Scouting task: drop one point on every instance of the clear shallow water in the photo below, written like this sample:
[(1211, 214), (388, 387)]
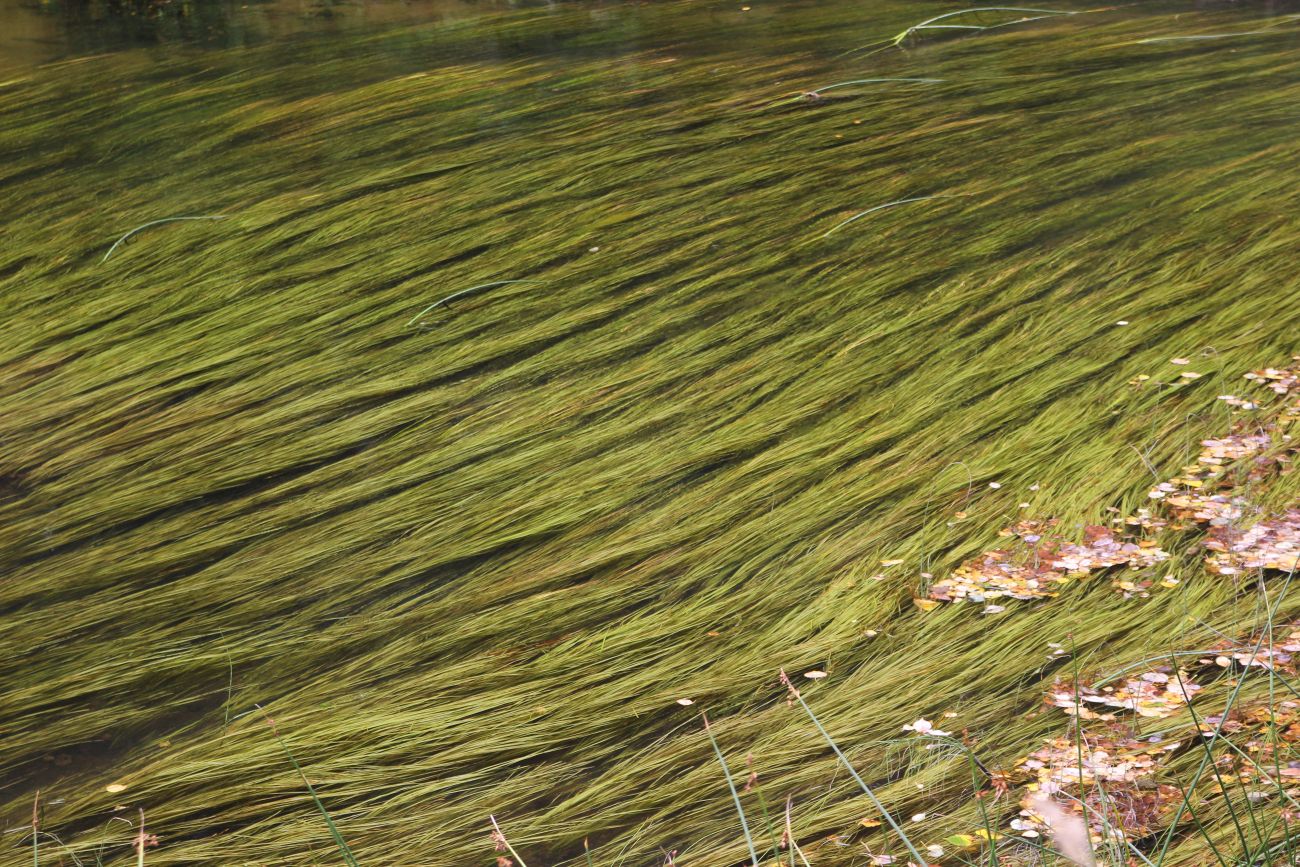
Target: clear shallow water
[(469, 562)]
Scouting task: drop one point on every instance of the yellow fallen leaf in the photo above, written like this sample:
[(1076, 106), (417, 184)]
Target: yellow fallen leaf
[(115, 788), (870, 823), (963, 841), (891, 562), (925, 604)]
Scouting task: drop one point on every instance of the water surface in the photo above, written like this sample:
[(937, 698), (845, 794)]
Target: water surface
[(469, 559)]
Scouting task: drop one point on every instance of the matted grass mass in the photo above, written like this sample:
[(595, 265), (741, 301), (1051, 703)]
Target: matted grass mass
[(471, 561)]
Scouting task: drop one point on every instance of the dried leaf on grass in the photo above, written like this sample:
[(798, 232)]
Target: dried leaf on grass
[(1115, 781), (1272, 543), (1154, 694), (1205, 494), (1044, 562), (1282, 380), (1268, 739), (1278, 653)]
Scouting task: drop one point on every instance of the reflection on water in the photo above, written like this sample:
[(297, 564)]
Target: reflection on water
[(39, 31)]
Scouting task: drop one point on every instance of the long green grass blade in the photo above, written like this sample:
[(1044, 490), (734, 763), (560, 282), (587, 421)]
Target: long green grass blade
[(348, 857), (731, 787), (848, 766)]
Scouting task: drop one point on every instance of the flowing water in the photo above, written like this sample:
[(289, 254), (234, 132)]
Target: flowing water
[(470, 556)]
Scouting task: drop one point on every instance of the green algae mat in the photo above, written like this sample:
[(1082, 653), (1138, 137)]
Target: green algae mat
[(534, 380)]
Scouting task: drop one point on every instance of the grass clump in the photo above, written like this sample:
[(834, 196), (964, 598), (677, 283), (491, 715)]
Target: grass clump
[(472, 569)]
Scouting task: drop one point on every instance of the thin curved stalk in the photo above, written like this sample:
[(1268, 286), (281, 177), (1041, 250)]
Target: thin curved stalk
[(140, 840), (893, 204), (1196, 37), (119, 241), (902, 835), (744, 825), (822, 90), (463, 292), (789, 836), (502, 837), (1186, 805), (344, 850), (929, 23)]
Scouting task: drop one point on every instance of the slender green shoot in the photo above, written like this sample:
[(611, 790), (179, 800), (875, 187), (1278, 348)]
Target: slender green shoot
[(789, 836), (1185, 804), (892, 204), (931, 23), (762, 805), (140, 842), (348, 857), (744, 825), (898, 829), (36, 829), (819, 91), (1193, 38), (463, 293), (500, 836), (230, 682), (119, 241)]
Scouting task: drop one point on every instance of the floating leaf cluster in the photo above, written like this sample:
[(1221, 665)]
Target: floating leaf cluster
[(1283, 381), (1044, 562), (1154, 694), (1276, 656), (1207, 494), (1109, 774), (1271, 749), (1273, 543)]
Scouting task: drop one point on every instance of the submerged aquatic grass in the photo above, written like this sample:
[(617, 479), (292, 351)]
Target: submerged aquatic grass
[(463, 293), (472, 569), (153, 223), (886, 205)]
